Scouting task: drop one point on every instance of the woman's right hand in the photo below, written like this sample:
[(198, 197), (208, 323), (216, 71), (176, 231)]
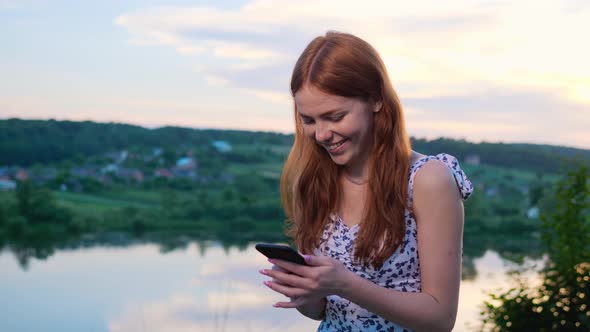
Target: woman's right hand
[(310, 307), (280, 269)]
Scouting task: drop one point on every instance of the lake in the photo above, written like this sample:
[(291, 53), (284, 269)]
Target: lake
[(145, 286)]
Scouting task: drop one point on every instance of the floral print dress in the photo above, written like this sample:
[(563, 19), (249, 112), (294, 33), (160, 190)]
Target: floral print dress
[(400, 272)]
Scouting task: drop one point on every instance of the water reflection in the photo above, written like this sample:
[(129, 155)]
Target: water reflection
[(169, 282), (42, 243)]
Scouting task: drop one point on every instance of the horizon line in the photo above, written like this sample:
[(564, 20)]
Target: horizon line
[(428, 139)]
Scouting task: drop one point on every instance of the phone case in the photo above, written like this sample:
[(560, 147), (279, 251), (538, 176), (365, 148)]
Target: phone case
[(278, 251)]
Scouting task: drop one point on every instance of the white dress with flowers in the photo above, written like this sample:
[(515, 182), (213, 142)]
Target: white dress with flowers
[(400, 272)]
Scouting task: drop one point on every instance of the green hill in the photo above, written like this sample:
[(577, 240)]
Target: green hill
[(26, 142)]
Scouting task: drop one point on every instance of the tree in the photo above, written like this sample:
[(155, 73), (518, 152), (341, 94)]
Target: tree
[(24, 193), (38, 205), (3, 214), (566, 230), (562, 302)]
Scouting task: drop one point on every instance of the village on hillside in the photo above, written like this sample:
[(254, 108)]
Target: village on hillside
[(116, 169)]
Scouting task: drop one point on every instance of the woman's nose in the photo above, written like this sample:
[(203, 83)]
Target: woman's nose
[(322, 133)]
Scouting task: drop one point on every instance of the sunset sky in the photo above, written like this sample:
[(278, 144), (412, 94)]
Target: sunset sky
[(509, 71)]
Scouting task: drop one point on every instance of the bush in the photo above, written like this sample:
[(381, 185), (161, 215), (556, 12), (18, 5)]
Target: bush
[(562, 302)]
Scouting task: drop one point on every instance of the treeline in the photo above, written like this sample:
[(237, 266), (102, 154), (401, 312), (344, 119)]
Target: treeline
[(529, 157), (27, 142)]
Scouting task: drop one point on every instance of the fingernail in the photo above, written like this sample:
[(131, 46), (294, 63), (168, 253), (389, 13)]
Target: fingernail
[(267, 283), (263, 272), (307, 258), (275, 305), (271, 260)]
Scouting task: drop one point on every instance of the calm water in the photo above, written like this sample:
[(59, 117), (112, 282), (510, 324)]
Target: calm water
[(149, 288)]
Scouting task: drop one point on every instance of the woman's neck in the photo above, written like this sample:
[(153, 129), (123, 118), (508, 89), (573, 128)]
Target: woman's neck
[(358, 175), (359, 180)]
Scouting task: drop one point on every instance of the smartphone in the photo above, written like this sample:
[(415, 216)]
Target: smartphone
[(279, 251)]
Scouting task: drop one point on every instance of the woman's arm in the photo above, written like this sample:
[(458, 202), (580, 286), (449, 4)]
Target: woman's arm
[(439, 214), (438, 208)]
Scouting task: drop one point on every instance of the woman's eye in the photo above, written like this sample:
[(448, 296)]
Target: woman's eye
[(306, 120), (336, 118)]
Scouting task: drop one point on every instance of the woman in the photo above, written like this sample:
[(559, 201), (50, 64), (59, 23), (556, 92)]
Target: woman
[(384, 223)]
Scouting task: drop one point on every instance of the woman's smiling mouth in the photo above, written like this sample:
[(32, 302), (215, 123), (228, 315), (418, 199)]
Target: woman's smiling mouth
[(334, 148)]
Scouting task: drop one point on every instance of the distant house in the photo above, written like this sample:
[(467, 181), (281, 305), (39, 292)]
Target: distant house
[(163, 173), (5, 172), (122, 156), (222, 146), (156, 152), (117, 157), (7, 185), (84, 172), (186, 163), (22, 175), (184, 173), (130, 174), (9, 172), (110, 168), (472, 159), (533, 213)]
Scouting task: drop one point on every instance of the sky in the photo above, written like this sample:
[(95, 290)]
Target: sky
[(494, 71)]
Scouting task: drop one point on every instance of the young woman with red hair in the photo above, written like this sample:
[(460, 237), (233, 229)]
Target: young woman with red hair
[(381, 226)]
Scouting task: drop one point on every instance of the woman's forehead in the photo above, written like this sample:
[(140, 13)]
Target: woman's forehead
[(311, 101)]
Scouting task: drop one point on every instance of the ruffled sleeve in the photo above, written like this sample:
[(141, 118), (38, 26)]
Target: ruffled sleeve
[(465, 186)]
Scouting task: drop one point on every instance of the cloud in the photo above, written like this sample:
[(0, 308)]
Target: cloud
[(20, 4), (518, 115), (227, 296), (496, 41), (518, 104), (487, 65), (223, 34)]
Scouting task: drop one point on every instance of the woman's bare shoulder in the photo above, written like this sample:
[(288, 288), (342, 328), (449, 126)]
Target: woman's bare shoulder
[(416, 156), (435, 179)]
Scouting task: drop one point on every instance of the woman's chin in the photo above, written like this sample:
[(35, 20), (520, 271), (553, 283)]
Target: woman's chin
[(340, 160)]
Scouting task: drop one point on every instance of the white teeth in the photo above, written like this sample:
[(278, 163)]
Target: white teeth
[(334, 146)]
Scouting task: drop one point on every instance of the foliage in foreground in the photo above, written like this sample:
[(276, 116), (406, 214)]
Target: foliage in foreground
[(562, 301)]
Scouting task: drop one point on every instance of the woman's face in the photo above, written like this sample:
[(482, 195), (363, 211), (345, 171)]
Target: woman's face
[(343, 126)]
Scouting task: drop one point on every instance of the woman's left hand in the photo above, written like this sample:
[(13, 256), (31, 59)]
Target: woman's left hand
[(324, 276)]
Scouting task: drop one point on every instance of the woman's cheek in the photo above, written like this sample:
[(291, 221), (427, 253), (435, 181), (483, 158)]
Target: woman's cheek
[(308, 131)]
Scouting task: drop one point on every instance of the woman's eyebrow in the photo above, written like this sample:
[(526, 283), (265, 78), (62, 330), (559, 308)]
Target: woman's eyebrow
[(325, 114)]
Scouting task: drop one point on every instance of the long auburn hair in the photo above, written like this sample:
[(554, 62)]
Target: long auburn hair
[(345, 65)]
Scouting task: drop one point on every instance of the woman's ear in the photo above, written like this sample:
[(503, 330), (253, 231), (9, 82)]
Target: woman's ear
[(377, 107)]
